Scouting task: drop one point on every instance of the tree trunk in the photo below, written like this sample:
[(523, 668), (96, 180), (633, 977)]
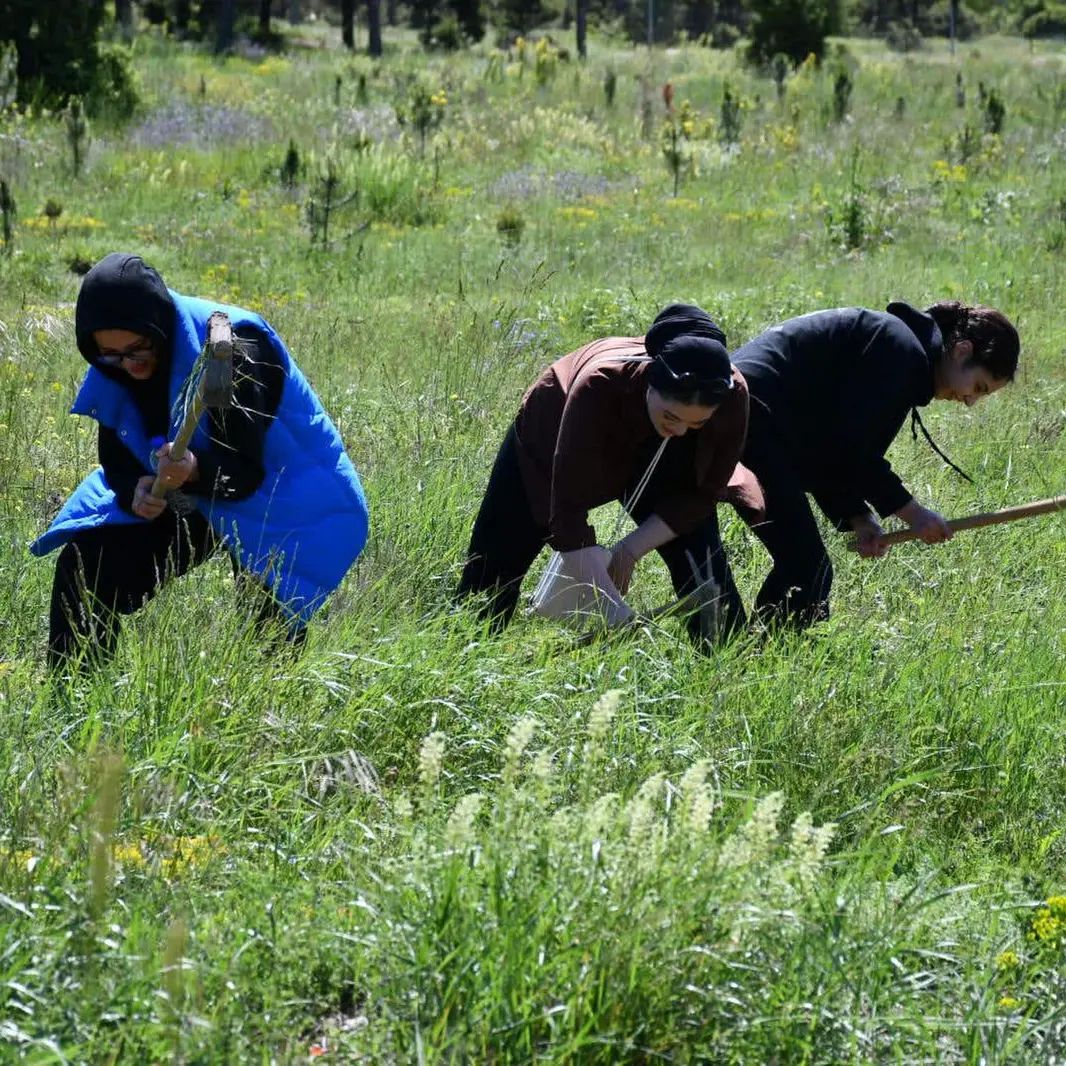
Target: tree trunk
[(181, 17), (391, 13), (348, 23), (953, 18), (227, 12), (264, 18), (373, 23), (124, 17), (582, 27), (295, 14)]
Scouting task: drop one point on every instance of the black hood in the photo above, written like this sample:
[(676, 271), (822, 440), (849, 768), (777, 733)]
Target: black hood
[(123, 292), (924, 327)]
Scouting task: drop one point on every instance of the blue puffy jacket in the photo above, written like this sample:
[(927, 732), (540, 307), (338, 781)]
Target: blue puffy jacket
[(307, 522)]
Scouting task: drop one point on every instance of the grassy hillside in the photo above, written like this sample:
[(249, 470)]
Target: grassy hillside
[(419, 842)]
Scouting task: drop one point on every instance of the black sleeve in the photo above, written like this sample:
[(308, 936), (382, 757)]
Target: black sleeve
[(873, 406), (121, 468), (232, 468)]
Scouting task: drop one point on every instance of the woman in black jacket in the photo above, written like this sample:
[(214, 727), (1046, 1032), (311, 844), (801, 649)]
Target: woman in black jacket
[(829, 392)]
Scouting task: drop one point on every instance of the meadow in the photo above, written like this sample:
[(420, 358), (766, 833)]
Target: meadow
[(420, 842)]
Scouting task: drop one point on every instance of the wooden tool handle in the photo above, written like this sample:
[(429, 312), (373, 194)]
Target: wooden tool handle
[(977, 521), (219, 344), (179, 445)]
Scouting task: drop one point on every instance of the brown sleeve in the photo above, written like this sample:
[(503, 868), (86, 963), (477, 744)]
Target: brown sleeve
[(718, 452), (581, 450)]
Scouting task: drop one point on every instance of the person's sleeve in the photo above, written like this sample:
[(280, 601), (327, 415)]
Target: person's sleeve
[(232, 468), (685, 509), (745, 493), (578, 464), (122, 471), (872, 408)]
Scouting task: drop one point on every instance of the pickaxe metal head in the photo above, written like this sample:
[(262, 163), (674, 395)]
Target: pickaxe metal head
[(218, 370)]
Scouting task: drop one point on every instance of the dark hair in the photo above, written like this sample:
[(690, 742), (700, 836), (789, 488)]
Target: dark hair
[(690, 363), (993, 336)]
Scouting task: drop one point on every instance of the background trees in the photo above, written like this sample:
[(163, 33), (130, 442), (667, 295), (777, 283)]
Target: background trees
[(60, 53)]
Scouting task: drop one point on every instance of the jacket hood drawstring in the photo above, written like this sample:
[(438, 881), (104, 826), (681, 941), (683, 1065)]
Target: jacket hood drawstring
[(916, 424)]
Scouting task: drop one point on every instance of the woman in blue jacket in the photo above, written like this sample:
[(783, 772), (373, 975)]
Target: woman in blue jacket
[(829, 392), (267, 479)]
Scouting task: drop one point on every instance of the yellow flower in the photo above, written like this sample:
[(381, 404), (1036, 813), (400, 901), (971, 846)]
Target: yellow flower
[(1009, 1003), (944, 171), (26, 859), (1049, 923), (128, 855), (578, 213), (1007, 960)]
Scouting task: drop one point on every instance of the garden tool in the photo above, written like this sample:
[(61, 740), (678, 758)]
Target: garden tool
[(210, 385), (977, 521), (703, 598)]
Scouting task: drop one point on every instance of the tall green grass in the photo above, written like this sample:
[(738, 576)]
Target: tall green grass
[(419, 841)]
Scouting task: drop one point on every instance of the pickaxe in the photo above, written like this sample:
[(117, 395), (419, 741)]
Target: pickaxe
[(977, 521), (214, 389)]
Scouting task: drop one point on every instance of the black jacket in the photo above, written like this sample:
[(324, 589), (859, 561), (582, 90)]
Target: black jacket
[(833, 388), (123, 292)]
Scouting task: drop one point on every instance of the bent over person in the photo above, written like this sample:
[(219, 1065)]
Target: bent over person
[(587, 432), (267, 478), (829, 392)]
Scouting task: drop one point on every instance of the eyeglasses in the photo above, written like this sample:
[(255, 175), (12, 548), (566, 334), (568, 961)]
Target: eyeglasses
[(689, 379), (140, 352)]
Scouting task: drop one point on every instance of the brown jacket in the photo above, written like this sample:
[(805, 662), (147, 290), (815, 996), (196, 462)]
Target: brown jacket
[(584, 437)]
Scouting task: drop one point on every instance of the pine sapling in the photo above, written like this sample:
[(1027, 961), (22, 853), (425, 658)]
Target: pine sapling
[(77, 133), (7, 214)]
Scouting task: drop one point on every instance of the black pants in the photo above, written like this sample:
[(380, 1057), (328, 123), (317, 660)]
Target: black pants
[(110, 571), (796, 591), (507, 539)]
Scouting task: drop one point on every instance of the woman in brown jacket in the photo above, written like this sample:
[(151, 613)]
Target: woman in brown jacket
[(586, 433)]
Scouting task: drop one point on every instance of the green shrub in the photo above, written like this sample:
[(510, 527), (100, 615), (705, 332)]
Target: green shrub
[(903, 36), (798, 28), (114, 93), (1050, 21)]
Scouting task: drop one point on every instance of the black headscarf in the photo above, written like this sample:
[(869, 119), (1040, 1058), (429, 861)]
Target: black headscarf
[(123, 292), (689, 351)]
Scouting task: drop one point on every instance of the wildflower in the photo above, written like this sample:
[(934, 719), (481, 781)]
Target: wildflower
[(808, 846), (517, 742), (128, 855), (1009, 1003), (698, 796), (752, 842), (642, 819), (948, 173), (1007, 960), (459, 832), (430, 760), (26, 859), (541, 770), (1048, 926), (602, 715)]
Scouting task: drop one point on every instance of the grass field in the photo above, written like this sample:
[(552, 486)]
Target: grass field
[(417, 842)]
